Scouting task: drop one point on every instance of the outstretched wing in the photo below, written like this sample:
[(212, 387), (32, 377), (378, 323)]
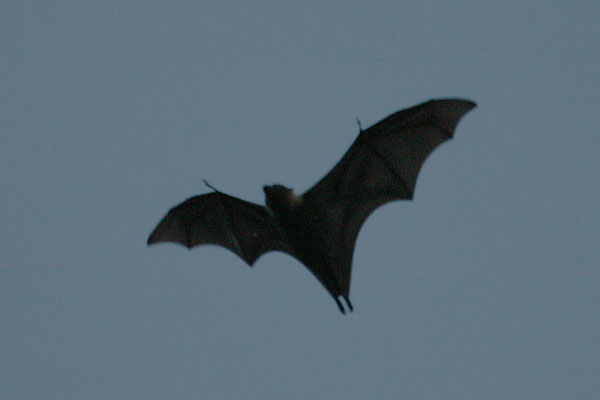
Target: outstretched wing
[(245, 228), (382, 165)]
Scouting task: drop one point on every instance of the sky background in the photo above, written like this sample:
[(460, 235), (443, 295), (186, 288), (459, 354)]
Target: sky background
[(486, 286)]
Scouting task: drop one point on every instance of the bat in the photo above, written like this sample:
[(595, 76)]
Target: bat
[(319, 228)]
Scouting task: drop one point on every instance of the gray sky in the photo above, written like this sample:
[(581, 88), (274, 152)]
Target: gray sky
[(485, 287)]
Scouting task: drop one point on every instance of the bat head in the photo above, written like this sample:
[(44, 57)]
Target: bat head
[(280, 199)]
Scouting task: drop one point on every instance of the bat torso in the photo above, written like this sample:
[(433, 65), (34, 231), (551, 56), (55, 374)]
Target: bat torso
[(304, 228)]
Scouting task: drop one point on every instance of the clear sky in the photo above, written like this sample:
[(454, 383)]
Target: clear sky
[(486, 286)]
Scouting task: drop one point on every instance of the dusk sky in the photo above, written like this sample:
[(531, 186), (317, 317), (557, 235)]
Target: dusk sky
[(486, 286)]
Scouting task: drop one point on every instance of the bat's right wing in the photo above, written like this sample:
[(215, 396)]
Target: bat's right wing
[(382, 165), (245, 228)]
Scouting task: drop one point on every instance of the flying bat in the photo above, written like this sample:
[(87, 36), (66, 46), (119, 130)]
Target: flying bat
[(319, 228)]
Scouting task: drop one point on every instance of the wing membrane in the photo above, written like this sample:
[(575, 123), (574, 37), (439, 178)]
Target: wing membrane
[(382, 165), (245, 228)]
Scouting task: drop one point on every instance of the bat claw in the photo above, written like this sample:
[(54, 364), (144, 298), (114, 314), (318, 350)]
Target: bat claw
[(209, 185)]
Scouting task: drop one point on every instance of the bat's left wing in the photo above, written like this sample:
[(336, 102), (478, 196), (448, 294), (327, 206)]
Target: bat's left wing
[(382, 165), (245, 228)]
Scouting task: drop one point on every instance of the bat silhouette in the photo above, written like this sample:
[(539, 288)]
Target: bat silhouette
[(319, 228)]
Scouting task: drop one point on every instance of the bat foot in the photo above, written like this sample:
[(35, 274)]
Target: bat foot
[(348, 302), (340, 306)]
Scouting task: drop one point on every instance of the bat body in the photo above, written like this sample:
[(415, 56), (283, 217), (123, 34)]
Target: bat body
[(320, 227)]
